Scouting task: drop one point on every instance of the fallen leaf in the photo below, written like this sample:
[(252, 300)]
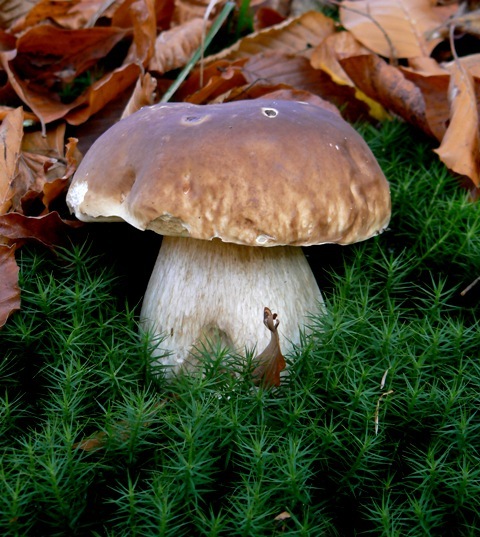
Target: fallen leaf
[(47, 55), (102, 92), (53, 189), (284, 515), (297, 36), (218, 78), (389, 86), (11, 132), (174, 47), (43, 170), (143, 95), (12, 10), (9, 289), (41, 64), (433, 84), (270, 362), (93, 443), (27, 116), (393, 28), (265, 17), (460, 147), (143, 21), (186, 10), (71, 15), (50, 230), (326, 57)]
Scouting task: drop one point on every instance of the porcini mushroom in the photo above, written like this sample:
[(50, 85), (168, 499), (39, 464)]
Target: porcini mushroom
[(235, 189)]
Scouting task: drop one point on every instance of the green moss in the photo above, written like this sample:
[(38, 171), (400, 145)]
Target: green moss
[(214, 456)]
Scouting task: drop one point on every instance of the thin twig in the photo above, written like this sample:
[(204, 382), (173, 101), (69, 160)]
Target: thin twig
[(465, 291)]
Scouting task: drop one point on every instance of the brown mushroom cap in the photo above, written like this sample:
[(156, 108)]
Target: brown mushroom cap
[(258, 173)]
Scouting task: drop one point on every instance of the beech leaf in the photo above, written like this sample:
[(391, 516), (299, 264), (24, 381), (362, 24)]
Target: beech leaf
[(388, 86), (174, 48), (9, 289), (50, 230), (143, 95), (11, 132), (393, 28), (460, 147), (294, 36), (270, 362)]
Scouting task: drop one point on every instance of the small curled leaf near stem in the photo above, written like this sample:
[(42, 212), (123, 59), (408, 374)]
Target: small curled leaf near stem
[(270, 362)]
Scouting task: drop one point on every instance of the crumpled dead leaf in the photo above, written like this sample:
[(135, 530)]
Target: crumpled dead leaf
[(11, 133), (460, 147), (326, 57), (49, 230), (9, 289), (12, 10), (270, 362), (295, 36), (387, 85), (398, 29), (143, 95), (174, 48)]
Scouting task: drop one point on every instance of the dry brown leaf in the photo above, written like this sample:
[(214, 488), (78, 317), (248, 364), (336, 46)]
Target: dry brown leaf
[(50, 230), (143, 21), (296, 36), (279, 68), (270, 362), (53, 189), (272, 68), (388, 85), (218, 78), (174, 48), (393, 28), (72, 15), (460, 147), (326, 57), (47, 55), (470, 62), (143, 95), (11, 132), (186, 10), (41, 63), (433, 84), (104, 91), (9, 289), (50, 144), (265, 17), (5, 110), (43, 170), (468, 23), (93, 443), (12, 10)]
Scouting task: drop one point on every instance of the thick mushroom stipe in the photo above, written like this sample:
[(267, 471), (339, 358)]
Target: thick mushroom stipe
[(205, 293), (241, 184)]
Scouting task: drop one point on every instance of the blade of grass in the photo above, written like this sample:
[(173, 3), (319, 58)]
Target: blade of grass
[(227, 8)]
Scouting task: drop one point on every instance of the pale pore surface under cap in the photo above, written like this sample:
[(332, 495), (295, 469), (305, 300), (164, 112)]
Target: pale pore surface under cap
[(258, 173)]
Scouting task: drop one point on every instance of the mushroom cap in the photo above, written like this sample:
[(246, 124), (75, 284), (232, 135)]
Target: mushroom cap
[(255, 172)]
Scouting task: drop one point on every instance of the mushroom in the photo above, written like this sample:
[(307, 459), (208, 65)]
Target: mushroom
[(235, 189)]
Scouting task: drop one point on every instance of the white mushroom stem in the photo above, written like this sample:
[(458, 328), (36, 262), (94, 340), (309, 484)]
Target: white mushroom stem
[(211, 291)]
